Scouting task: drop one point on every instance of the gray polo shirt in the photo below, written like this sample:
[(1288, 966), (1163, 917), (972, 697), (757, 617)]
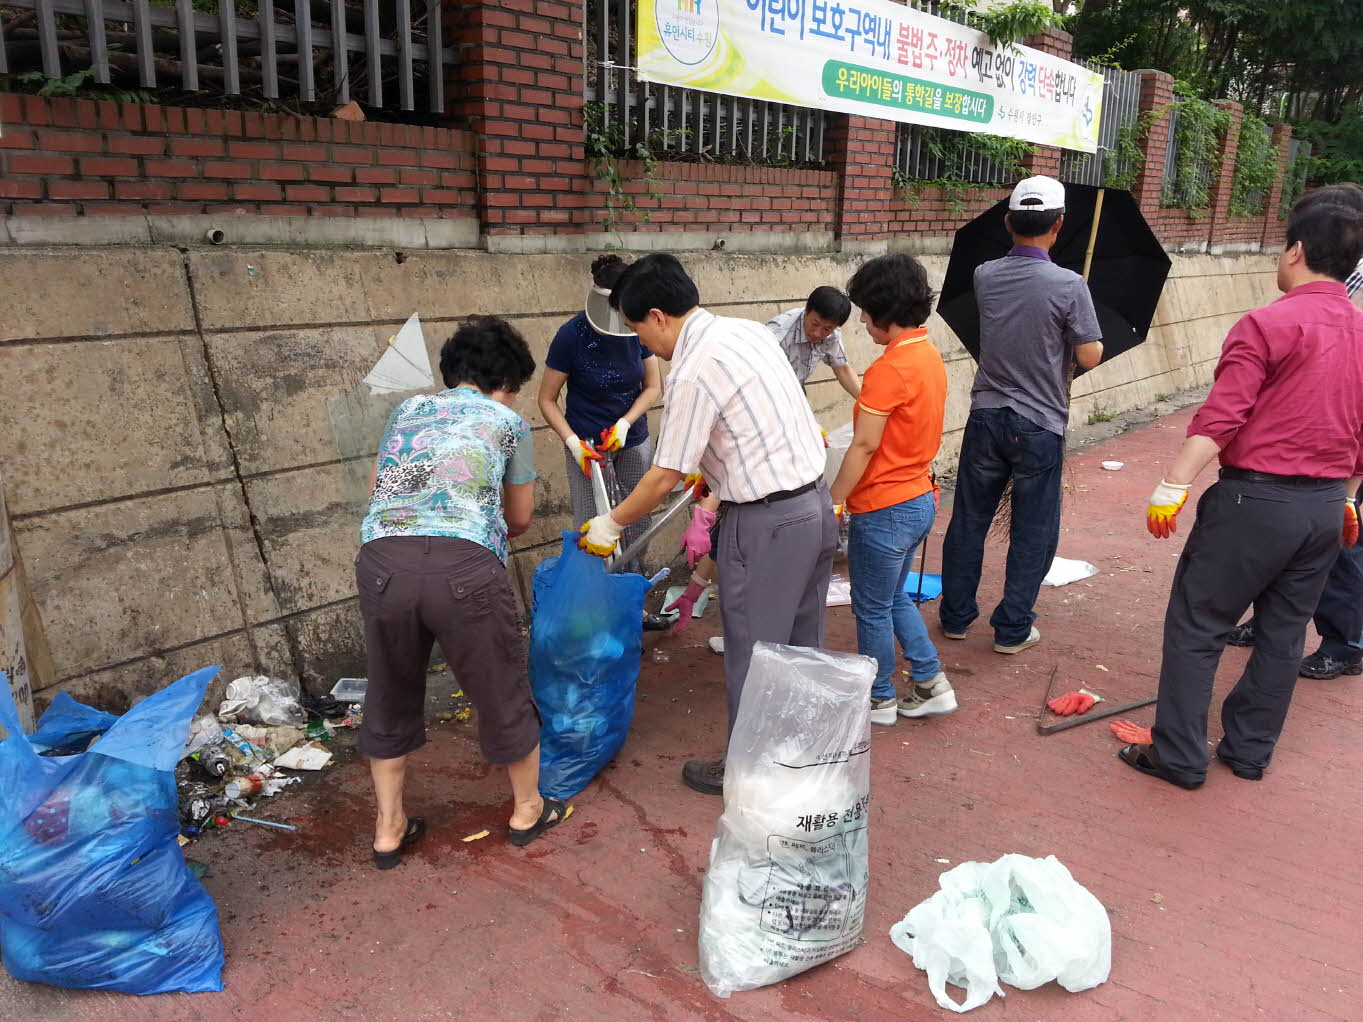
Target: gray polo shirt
[(1031, 313)]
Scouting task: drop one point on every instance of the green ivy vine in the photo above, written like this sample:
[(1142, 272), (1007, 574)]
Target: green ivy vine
[(1256, 167), (950, 148), (606, 146), (1123, 163), (1198, 136)]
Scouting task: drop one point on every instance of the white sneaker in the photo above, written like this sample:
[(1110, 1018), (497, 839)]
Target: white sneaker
[(931, 700), (883, 711), (1027, 643), (717, 644)]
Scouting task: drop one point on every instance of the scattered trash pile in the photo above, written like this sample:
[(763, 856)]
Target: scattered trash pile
[(262, 728)]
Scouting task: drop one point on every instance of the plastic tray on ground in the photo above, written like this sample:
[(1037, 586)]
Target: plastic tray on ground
[(350, 690)]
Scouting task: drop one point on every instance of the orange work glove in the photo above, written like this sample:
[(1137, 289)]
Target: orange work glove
[(1165, 504), (1131, 734), (825, 437), (583, 454), (695, 482), (1350, 523), (613, 438), (1072, 702)]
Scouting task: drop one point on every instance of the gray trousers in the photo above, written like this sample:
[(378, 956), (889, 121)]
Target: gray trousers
[(1266, 544), (630, 464), (775, 561)]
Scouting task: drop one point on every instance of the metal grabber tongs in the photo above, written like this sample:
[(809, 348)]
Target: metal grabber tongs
[(606, 491)]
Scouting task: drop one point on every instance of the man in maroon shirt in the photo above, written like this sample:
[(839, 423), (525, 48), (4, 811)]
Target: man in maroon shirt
[(1285, 416)]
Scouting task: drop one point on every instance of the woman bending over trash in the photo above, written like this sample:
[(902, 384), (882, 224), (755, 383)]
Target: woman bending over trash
[(453, 484)]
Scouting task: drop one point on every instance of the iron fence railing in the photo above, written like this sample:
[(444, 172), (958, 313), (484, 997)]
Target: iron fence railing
[(1294, 178), (679, 123), (1121, 109), (1179, 188), (386, 52)]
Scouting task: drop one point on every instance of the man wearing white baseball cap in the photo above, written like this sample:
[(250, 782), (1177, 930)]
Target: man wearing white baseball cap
[(1033, 315)]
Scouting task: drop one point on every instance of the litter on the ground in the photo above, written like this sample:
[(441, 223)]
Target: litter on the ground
[(350, 690), (476, 837), (263, 700), (786, 887), (304, 757), (1113, 466), (839, 591), (931, 587), (265, 823), (1063, 571), (1016, 920)]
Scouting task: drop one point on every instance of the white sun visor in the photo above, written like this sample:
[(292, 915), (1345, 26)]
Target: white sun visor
[(602, 317)]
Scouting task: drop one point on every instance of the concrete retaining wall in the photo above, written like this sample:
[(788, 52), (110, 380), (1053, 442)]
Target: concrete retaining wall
[(187, 445)]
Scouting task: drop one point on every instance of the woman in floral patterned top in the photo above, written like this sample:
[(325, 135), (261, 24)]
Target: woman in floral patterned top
[(453, 484)]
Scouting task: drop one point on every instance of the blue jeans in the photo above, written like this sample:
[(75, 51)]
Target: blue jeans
[(880, 552), (999, 444)]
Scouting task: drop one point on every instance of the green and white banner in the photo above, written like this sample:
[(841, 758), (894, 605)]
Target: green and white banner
[(870, 57)]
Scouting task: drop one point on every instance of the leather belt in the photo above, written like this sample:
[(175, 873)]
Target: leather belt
[(779, 495), (1248, 476)]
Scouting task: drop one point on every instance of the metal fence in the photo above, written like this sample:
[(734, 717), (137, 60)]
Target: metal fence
[(1121, 109), (1294, 179), (674, 122), (386, 52), (1255, 199), (1177, 189)]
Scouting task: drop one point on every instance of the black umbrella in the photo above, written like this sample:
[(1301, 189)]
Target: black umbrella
[(1125, 272)]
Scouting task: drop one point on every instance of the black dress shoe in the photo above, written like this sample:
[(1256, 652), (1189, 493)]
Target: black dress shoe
[(704, 776), (1247, 773), (1241, 635), (654, 623), (1144, 759), (1323, 666)]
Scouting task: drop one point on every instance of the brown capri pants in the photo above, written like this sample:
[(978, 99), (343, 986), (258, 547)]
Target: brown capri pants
[(415, 590)]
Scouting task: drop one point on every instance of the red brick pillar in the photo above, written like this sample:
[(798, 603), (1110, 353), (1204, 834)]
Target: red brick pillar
[(1046, 159), (517, 85), (1273, 235), (860, 150), (1220, 189), (1157, 93)]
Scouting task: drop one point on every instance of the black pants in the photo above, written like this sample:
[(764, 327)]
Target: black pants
[(1269, 545), (1339, 612)]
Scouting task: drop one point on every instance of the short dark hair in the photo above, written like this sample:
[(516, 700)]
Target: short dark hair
[(606, 270), (830, 303), (657, 281), (1033, 223), (1345, 193), (1331, 235), (487, 352), (892, 289)]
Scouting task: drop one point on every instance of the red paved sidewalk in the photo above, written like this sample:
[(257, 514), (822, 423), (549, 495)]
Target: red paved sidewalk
[(1236, 901)]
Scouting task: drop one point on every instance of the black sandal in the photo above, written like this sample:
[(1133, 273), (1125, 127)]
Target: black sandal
[(1144, 759), (416, 827), (553, 813)]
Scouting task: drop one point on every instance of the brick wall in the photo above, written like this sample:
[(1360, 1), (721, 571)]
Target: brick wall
[(79, 157), (709, 197)]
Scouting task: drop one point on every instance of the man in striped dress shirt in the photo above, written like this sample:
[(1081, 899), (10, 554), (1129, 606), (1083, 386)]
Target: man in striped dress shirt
[(733, 411)]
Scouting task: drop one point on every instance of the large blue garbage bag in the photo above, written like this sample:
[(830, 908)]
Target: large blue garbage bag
[(94, 891), (586, 637)]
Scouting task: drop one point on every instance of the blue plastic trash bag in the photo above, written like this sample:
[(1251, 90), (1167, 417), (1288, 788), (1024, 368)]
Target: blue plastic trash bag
[(586, 637), (94, 891)]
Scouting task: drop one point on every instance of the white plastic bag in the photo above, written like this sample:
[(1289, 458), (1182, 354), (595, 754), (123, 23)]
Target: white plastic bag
[(262, 700), (786, 889), (839, 440), (1017, 920)]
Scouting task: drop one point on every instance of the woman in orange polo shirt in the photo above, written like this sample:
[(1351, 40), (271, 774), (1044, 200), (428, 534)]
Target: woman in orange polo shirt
[(887, 486)]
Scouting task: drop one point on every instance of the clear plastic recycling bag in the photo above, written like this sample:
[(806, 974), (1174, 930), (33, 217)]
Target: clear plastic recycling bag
[(94, 890), (586, 637), (786, 888), (1016, 920)]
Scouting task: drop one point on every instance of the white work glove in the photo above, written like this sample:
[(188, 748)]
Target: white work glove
[(582, 453), (600, 536), (613, 439), (1165, 504)]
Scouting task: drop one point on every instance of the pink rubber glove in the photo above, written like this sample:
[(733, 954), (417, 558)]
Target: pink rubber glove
[(696, 538), (685, 604)]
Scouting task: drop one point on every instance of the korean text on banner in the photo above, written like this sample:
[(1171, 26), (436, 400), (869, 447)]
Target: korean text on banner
[(874, 58)]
